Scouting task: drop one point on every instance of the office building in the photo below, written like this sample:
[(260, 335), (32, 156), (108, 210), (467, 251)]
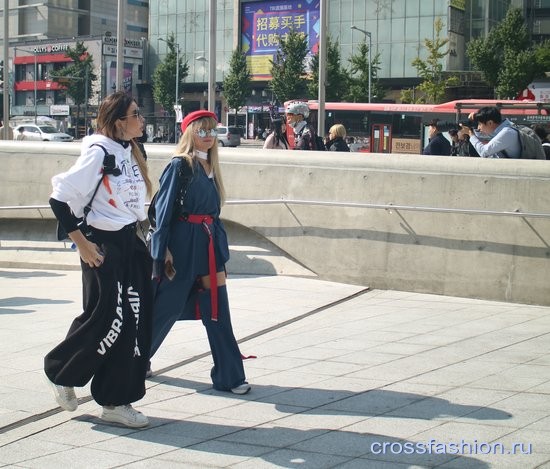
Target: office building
[(41, 32)]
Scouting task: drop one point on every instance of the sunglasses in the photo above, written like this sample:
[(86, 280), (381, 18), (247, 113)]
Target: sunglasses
[(135, 115), (206, 133)]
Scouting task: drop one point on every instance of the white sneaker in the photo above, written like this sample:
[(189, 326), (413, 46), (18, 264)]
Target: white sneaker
[(64, 396), (241, 389), (125, 415)]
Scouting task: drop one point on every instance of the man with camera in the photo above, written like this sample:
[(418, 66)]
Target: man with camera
[(438, 144), (502, 139)]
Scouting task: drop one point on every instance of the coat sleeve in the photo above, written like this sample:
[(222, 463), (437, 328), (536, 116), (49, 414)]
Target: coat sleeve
[(164, 208)]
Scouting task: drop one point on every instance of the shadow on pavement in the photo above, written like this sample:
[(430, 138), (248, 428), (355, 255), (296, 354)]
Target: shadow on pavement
[(368, 403), (289, 447), (17, 301)]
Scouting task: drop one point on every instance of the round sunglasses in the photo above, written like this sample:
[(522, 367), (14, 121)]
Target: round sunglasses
[(206, 133)]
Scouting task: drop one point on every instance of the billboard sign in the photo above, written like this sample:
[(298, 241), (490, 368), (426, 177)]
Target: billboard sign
[(265, 23)]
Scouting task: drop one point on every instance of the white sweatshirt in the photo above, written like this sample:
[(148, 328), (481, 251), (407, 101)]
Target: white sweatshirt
[(119, 201)]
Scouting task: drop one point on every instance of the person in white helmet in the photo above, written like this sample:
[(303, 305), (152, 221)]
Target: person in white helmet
[(305, 137)]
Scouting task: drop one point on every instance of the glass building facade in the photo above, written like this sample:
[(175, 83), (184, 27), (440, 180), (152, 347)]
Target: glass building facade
[(398, 29)]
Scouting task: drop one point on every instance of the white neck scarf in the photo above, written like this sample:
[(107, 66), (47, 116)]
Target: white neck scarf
[(201, 154)]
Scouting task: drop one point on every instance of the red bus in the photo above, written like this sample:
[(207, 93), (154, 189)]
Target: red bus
[(401, 128)]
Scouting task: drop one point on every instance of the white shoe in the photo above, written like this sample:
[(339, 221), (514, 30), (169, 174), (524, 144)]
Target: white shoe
[(241, 389), (64, 396), (125, 415)]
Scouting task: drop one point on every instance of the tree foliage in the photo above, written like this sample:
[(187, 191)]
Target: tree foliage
[(358, 89), (336, 83), (288, 69), (164, 77), (79, 73), (236, 84), (434, 83), (506, 57), (542, 57)]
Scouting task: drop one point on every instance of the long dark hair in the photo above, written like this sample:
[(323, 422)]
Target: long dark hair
[(279, 135), (112, 108)]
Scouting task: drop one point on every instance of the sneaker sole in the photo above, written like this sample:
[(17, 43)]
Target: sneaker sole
[(63, 404), (241, 391), (121, 421)]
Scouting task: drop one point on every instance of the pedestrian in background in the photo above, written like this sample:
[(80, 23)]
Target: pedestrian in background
[(337, 134), (190, 250), (541, 132), (109, 342), (277, 137), (20, 135), (503, 141), (305, 136), (438, 144), (455, 141)]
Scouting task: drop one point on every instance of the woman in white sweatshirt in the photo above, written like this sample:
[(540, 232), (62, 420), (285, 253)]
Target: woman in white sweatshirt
[(109, 341)]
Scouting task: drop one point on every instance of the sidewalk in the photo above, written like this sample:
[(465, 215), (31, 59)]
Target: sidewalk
[(344, 378)]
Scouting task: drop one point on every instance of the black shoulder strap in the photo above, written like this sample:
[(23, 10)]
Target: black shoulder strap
[(185, 174), (107, 168)]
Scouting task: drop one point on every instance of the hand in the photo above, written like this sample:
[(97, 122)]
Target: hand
[(168, 258), (89, 252)]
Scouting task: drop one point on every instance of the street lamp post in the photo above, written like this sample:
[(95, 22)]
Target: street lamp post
[(177, 88), (368, 34)]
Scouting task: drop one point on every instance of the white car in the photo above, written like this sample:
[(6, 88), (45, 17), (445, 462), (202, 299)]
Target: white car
[(45, 133)]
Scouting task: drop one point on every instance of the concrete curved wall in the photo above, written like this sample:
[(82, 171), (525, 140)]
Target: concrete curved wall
[(479, 256)]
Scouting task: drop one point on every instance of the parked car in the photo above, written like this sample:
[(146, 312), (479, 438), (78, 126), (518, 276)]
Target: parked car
[(229, 136), (46, 133)]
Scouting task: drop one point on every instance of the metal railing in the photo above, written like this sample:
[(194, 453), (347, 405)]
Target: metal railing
[(389, 207)]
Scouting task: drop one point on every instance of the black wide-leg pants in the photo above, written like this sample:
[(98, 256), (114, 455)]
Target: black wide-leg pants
[(109, 342)]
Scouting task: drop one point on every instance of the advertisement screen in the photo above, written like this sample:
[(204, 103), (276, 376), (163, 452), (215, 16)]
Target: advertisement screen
[(264, 24)]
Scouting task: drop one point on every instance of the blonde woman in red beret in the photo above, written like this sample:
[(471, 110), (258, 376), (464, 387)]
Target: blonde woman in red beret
[(190, 250)]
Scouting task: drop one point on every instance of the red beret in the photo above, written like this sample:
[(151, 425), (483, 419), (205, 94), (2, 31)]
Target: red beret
[(193, 116)]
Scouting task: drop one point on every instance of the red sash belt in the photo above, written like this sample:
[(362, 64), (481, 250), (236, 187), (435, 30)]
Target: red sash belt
[(205, 221)]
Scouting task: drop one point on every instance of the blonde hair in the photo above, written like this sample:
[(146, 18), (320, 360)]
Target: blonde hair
[(186, 149), (338, 130), (112, 108)]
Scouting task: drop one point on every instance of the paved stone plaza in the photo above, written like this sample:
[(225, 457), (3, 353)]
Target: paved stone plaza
[(344, 377)]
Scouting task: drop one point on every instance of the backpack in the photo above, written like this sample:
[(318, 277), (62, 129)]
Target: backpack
[(185, 175), (315, 142), (531, 145), (318, 143), (109, 167)]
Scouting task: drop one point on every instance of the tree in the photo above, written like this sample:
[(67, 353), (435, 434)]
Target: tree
[(288, 70), (506, 57), (359, 80), (164, 77), (434, 83), (542, 57), (236, 84), (78, 77), (336, 87)]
